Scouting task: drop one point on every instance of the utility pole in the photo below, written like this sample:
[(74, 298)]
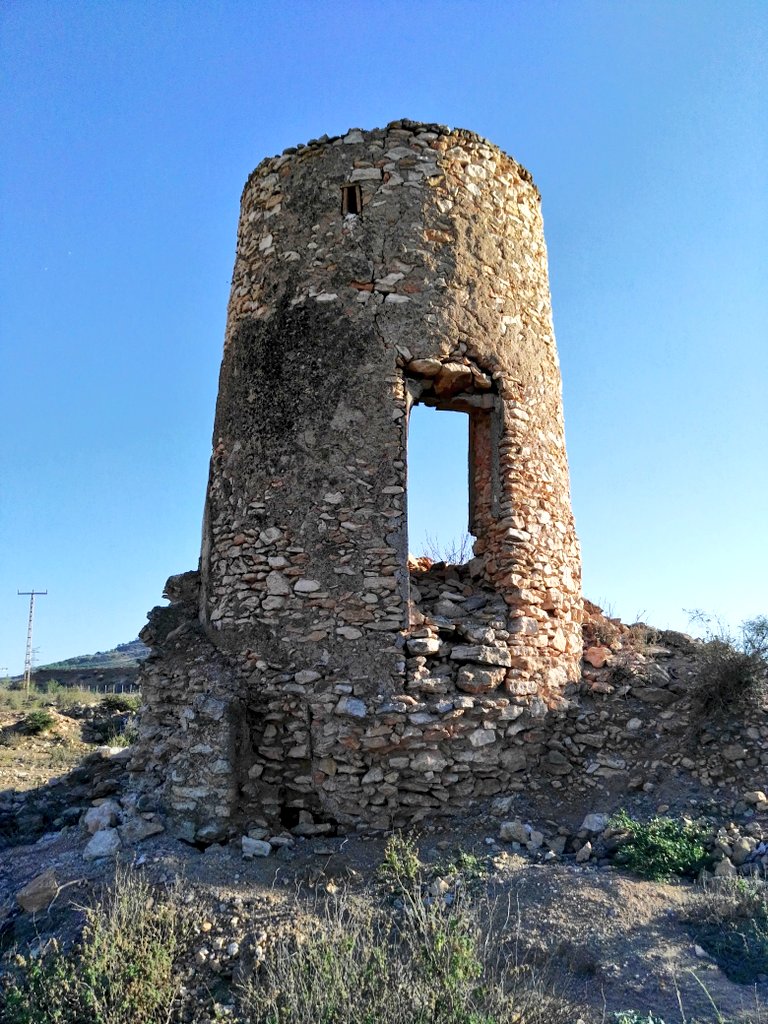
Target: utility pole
[(32, 594)]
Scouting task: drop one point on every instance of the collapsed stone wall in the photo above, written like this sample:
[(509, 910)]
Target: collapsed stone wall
[(304, 674)]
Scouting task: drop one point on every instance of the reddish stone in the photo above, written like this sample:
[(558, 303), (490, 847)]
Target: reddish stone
[(597, 657)]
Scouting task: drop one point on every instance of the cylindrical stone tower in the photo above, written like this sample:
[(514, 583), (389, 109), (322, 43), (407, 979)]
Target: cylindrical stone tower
[(315, 676)]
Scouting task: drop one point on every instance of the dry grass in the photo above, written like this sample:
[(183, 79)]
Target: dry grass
[(454, 551), (61, 699), (124, 970), (415, 961), (393, 955), (729, 919), (731, 673)]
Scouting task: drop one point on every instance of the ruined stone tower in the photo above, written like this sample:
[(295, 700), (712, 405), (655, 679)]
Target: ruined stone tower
[(305, 676)]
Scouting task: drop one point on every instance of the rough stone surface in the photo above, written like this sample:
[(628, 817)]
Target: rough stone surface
[(595, 822), (103, 815), (389, 268), (255, 847), (105, 843), (136, 830), (514, 832), (37, 894), (583, 855)]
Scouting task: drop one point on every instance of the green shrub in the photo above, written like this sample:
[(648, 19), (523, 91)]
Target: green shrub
[(731, 673), (125, 737), (401, 867), (11, 700), (730, 921), (36, 722), (660, 848), (119, 703), (463, 869), (123, 972)]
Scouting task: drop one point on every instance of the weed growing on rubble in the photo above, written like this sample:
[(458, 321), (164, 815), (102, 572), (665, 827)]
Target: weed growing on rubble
[(401, 868), (124, 737), (117, 703), (642, 636), (731, 672), (123, 970), (463, 868), (660, 848), (455, 551)]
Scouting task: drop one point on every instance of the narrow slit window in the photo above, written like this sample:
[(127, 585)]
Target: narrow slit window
[(351, 200)]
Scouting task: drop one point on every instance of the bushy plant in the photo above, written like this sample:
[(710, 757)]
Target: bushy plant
[(50, 686), (71, 697), (401, 867), (731, 672), (597, 627), (124, 737), (642, 636), (12, 700), (455, 551), (124, 969), (38, 721), (660, 848), (462, 868), (119, 703)]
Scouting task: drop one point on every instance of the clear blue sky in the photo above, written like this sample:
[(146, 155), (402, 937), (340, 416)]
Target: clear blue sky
[(128, 131)]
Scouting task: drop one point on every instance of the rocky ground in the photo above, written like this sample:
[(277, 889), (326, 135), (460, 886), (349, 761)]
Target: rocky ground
[(608, 941), (545, 855)]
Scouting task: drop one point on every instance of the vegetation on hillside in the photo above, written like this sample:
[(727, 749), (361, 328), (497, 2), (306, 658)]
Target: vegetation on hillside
[(123, 656), (732, 671)]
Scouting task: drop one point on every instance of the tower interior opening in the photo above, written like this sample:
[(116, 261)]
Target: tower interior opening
[(438, 485)]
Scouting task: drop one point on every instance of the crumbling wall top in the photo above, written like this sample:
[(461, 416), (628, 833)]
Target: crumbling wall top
[(361, 135)]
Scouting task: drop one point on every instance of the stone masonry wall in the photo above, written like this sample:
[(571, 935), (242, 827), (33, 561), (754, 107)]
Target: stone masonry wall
[(435, 290)]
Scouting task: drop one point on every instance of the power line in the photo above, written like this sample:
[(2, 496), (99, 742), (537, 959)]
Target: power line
[(32, 594)]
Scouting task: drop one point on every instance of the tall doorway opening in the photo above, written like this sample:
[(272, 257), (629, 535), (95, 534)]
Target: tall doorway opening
[(438, 485)]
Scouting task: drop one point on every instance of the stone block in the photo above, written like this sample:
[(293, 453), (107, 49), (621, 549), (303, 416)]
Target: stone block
[(38, 894), (105, 843)]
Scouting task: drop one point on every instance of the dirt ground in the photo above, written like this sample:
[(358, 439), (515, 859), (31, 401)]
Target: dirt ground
[(608, 941), (27, 762)]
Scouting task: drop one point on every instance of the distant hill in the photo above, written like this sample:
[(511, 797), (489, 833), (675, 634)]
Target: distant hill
[(128, 655), (106, 671)]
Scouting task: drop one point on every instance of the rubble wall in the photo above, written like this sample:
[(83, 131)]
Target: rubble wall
[(373, 271)]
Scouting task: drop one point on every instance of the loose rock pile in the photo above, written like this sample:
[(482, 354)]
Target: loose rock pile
[(25, 816), (458, 641)]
